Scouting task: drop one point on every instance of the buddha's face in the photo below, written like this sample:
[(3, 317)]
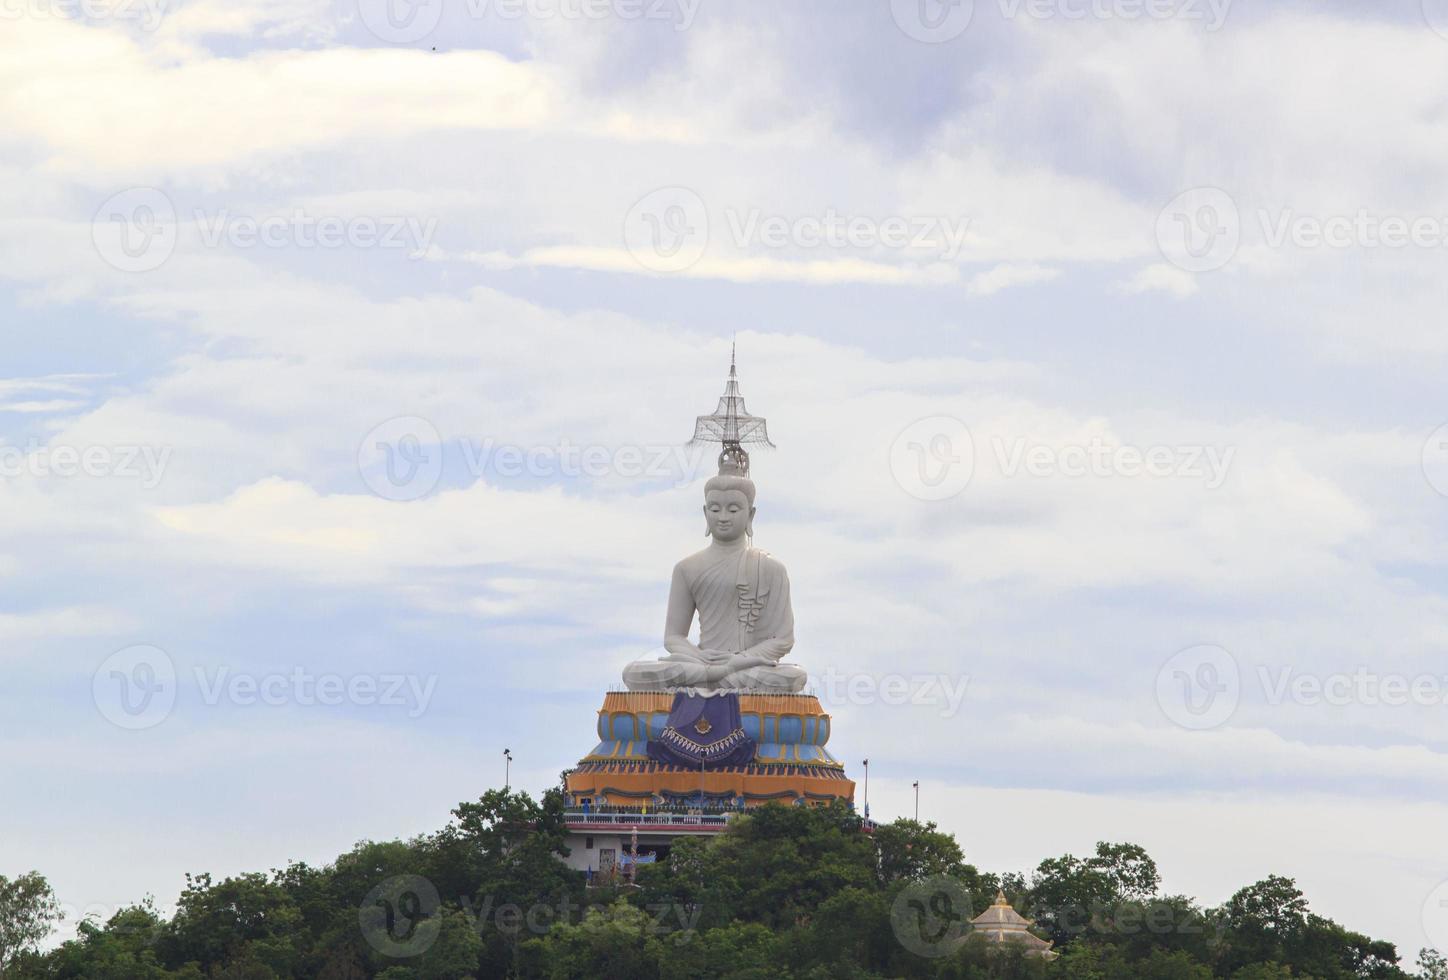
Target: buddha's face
[(728, 513)]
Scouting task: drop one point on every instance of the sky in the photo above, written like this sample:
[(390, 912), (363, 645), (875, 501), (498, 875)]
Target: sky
[(350, 351)]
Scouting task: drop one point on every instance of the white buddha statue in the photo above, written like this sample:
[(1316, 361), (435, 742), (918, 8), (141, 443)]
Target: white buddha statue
[(741, 595)]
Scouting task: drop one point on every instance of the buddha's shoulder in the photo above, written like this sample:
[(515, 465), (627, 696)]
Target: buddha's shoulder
[(692, 563), (771, 565), (710, 557), (767, 560)]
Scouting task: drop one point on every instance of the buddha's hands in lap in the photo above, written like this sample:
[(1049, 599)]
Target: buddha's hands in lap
[(736, 663), (688, 653), (706, 666)]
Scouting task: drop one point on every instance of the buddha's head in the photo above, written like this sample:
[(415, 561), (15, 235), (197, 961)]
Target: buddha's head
[(729, 507)]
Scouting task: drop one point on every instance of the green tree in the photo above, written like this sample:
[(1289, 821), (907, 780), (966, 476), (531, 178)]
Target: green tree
[(28, 913), (1069, 896), (785, 892), (615, 942), (850, 928), (454, 956), (909, 851), (248, 923), (733, 952), (1265, 921)]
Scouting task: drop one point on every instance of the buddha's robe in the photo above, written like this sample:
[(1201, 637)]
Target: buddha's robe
[(741, 597)]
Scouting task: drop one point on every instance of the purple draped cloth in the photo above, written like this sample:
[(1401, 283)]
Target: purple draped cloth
[(703, 732)]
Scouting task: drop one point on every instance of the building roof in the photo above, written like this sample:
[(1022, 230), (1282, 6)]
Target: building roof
[(1003, 924), (1001, 916)]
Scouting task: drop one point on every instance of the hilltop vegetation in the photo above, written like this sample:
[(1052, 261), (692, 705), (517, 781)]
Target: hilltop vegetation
[(785, 892)]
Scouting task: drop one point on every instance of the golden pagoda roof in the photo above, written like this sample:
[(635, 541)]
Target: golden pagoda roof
[(1001, 916), (1003, 924)]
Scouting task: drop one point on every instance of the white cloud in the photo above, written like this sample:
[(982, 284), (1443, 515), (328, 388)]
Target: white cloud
[(1005, 276), (69, 621), (259, 373), (1160, 277), (752, 269)]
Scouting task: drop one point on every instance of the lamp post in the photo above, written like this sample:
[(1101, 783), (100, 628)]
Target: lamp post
[(867, 789), (507, 769), (916, 784)]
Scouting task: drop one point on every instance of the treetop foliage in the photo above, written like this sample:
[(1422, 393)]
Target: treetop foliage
[(784, 892)]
